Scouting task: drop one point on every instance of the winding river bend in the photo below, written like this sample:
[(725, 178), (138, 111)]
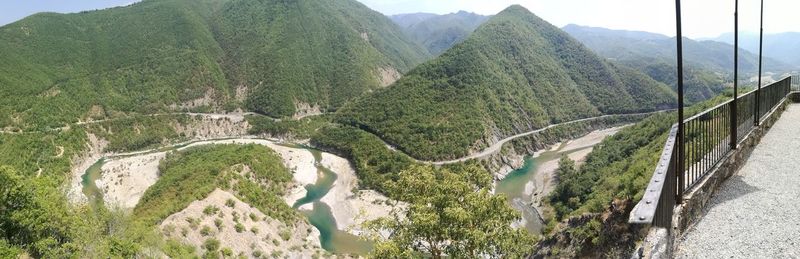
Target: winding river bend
[(526, 187), (319, 214), (331, 238)]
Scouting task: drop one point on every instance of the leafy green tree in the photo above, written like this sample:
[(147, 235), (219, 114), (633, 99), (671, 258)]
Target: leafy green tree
[(451, 214), (566, 168)]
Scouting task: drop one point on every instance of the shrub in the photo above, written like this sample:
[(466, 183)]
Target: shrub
[(218, 224), (285, 234), (239, 227), (210, 210), (205, 231), (227, 252), (211, 244)]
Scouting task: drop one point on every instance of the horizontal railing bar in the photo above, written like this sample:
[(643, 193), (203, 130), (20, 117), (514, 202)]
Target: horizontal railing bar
[(645, 211), (730, 101)]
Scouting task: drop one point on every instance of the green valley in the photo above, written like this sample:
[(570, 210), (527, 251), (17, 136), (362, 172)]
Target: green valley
[(326, 129)]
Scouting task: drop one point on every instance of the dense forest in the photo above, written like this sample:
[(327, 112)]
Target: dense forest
[(269, 56), (513, 74)]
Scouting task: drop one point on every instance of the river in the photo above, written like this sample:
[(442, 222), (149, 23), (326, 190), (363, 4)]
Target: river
[(331, 238), (527, 186)]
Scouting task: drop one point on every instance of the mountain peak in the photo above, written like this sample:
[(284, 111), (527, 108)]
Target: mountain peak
[(515, 73), (515, 9)]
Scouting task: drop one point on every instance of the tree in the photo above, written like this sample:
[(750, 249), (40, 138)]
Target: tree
[(566, 168), (450, 215)]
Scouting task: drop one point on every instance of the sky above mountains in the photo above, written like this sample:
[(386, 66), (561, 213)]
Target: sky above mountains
[(702, 18), (13, 10)]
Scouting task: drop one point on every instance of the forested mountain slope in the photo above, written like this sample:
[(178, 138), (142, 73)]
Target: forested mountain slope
[(513, 74), (437, 33), (270, 56), (317, 52)]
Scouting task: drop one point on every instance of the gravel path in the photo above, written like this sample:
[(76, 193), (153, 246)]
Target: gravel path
[(756, 213)]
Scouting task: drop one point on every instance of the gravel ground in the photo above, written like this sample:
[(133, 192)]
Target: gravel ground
[(756, 213)]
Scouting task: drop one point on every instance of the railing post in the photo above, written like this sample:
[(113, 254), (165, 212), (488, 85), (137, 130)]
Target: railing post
[(734, 110), (756, 116), (679, 141)]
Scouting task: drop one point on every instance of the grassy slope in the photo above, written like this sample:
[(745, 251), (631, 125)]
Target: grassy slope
[(515, 73)]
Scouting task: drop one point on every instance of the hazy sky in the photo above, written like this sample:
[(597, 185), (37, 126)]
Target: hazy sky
[(702, 18), (13, 10)]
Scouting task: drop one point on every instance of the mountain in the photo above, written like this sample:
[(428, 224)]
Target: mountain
[(273, 57), (708, 64), (438, 33), (515, 73), (410, 19), (628, 45), (780, 46)]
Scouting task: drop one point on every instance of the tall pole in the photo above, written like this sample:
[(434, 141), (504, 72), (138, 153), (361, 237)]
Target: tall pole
[(679, 145), (757, 116), (734, 112)]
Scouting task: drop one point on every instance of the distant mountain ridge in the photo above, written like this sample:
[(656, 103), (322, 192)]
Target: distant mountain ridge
[(622, 45), (708, 64), (438, 33), (515, 73), (779, 46)]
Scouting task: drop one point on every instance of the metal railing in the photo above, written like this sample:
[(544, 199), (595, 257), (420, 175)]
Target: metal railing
[(659, 197), (706, 142)]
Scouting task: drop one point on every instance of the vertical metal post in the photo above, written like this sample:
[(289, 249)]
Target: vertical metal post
[(680, 171), (734, 110), (757, 116)]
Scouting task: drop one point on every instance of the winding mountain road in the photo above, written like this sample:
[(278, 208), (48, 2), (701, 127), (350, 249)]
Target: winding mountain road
[(494, 148), (232, 116)]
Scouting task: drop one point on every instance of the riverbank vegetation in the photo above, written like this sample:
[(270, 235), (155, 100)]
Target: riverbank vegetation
[(138, 132), (303, 128), (253, 173), (375, 163)]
